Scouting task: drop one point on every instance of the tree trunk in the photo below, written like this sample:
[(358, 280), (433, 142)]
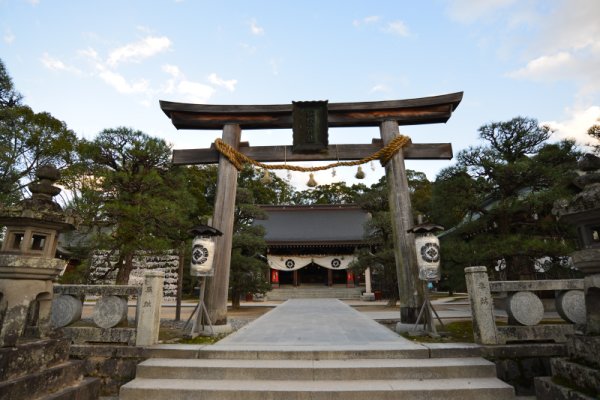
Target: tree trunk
[(125, 267), (235, 300)]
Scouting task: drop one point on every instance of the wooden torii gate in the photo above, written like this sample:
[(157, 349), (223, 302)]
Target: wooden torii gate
[(387, 115)]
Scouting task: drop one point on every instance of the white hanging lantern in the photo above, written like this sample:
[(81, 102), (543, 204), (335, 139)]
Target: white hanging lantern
[(203, 250), (428, 251)]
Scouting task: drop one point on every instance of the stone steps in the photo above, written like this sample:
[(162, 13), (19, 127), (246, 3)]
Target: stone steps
[(442, 389), (381, 352), (281, 294), (349, 369), (438, 372)]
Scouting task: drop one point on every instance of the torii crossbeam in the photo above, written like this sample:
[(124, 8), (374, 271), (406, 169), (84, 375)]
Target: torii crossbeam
[(387, 115)]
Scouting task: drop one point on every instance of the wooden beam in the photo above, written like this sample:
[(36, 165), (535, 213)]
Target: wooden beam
[(342, 152), (425, 110)]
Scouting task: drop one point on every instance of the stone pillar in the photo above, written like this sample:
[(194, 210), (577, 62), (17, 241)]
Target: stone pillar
[(409, 287), (368, 289), (223, 216), (149, 306), (482, 305)]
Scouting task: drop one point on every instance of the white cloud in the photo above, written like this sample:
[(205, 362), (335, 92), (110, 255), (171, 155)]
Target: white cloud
[(255, 28), (576, 125), (55, 64), (567, 47), (275, 65), (33, 2), (366, 21), (380, 88), (8, 37), (545, 67), (89, 53), (185, 90), (397, 27), (195, 92), (467, 11), (118, 82), (228, 84), (248, 48), (135, 52), (172, 70)]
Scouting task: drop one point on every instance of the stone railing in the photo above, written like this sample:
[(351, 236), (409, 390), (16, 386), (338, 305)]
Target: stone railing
[(524, 308), (110, 311)]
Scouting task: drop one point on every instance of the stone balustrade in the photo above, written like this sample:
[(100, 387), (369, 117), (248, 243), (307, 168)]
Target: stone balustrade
[(110, 315), (524, 308)]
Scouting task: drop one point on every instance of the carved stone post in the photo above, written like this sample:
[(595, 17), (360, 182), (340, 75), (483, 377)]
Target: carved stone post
[(482, 306), (149, 308), (217, 288), (409, 286)]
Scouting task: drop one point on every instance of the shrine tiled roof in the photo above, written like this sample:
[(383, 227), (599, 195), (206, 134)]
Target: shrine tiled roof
[(316, 224)]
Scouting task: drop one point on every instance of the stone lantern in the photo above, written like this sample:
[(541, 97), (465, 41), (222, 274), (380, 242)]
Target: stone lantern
[(578, 375), (583, 212), (27, 263)]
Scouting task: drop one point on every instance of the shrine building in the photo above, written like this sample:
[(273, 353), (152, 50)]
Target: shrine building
[(313, 245)]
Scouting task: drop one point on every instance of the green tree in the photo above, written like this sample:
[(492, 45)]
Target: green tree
[(134, 198), (499, 198), (334, 193), (272, 191), (27, 140), (380, 254), (249, 270)]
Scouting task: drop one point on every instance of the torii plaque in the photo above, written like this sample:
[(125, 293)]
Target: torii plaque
[(387, 115)]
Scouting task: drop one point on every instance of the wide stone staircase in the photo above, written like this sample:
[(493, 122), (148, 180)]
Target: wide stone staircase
[(431, 372), (314, 292)]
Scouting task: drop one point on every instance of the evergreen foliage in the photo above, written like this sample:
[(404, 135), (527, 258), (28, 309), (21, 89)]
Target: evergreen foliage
[(499, 197), (133, 198), (27, 141)]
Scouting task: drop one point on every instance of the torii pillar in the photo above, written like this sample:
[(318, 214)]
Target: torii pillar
[(223, 219), (410, 288), (387, 115)]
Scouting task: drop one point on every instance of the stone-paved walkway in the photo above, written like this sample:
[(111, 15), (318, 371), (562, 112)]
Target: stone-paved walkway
[(325, 323)]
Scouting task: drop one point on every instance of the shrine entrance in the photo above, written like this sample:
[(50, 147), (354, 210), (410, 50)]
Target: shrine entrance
[(314, 274), (310, 122)]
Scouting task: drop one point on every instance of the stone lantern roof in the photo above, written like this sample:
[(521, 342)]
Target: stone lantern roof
[(40, 208), (583, 211), (32, 228)]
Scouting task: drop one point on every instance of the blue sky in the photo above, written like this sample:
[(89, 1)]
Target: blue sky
[(103, 64)]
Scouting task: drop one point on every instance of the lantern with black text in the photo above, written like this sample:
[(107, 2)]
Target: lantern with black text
[(428, 251), (203, 249)]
